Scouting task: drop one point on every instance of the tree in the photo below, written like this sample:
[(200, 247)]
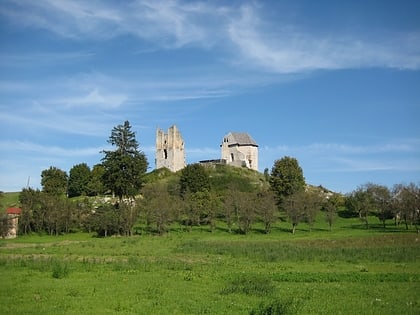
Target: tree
[(381, 201), (105, 220), (194, 178), (330, 207), (407, 203), (124, 167), (360, 202), (158, 206), (286, 177), (54, 181), (247, 211), (95, 186), (267, 208), (30, 218), (294, 208), (311, 204), (128, 216), (79, 178)]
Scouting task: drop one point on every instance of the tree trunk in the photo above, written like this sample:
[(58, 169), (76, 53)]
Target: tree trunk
[(293, 228)]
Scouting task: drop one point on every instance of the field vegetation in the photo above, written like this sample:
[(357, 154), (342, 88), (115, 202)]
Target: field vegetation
[(350, 270)]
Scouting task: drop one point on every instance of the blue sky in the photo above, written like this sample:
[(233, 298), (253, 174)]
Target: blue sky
[(335, 84)]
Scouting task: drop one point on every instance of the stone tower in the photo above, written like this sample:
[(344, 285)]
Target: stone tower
[(239, 149), (170, 152)]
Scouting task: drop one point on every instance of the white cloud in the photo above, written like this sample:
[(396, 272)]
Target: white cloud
[(258, 43), (290, 50)]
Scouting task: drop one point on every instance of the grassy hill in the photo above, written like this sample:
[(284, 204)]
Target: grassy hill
[(9, 199), (221, 177)]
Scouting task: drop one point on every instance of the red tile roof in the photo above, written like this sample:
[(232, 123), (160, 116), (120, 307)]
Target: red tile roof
[(14, 211)]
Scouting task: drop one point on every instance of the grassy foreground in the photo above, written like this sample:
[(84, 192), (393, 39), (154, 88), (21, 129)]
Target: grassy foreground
[(347, 271)]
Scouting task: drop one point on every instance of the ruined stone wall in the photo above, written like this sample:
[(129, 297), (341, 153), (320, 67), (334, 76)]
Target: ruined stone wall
[(170, 151)]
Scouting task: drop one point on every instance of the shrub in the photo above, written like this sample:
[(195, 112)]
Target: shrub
[(60, 270), (250, 285), (276, 307)]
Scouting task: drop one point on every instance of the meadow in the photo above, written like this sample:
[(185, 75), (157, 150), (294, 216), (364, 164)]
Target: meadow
[(350, 270)]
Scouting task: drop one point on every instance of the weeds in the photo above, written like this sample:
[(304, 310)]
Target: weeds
[(60, 270), (250, 285), (277, 307)]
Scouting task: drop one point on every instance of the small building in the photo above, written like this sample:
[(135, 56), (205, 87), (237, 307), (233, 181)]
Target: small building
[(12, 216), (240, 149), (170, 151)]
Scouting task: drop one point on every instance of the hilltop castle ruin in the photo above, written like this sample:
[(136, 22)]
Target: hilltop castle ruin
[(237, 149), (170, 152)]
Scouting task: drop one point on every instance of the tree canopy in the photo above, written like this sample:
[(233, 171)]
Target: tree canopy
[(286, 177), (54, 181), (79, 178), (124, 167)]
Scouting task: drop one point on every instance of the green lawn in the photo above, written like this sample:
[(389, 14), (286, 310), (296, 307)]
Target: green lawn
[(350, 270)]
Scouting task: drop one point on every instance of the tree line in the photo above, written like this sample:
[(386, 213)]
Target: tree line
[(194, 198)]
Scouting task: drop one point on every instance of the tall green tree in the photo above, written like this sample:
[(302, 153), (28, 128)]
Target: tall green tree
[(286, 177), (194, 178), (381, 201), (79, 178), (407, 204), (30, 218), (124, 167), (54, 181), (360, 201), (95, 185)]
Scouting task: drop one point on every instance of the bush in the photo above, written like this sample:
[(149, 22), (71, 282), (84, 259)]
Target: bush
[(60, 270), (250, 285), (276, 307)]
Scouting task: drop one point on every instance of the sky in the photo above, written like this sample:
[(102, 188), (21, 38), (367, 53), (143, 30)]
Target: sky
[(334, 84)]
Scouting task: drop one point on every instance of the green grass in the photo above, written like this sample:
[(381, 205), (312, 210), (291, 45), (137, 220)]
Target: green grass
[(350, 270), (9, 199)]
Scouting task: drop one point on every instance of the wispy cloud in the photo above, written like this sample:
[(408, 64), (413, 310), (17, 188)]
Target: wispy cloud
[(45, 150), (290, 50), (401, 155), (173, 24)]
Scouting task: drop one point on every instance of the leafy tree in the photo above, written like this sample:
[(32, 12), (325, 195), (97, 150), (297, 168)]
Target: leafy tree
[(95, 186), (212, 211), (128, 216), (194, 178), (330, 207), (54, 181), (30, 218), (267, 209), (311, 204), (286, 177), (407, 203), (158, 206), (294, 206), (247, 211), (104, 220), (360, 202), (124, 167), (79, 178), (230, 206), (57, 213), (381, 201)]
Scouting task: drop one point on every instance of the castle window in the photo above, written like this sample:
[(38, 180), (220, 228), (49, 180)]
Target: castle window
[(165, 154), (232, 157)]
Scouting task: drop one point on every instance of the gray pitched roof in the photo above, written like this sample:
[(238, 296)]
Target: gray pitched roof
[(240, 138)]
